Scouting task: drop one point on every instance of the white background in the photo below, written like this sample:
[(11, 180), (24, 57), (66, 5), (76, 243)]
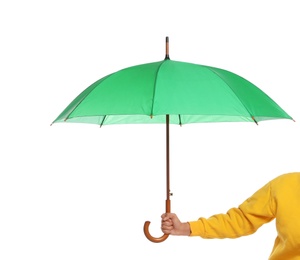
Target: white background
[(80, 192)]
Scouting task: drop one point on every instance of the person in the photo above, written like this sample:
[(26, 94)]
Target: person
[(279, 199)]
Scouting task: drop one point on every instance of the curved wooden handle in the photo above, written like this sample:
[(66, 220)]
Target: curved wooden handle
[(151, 238), (147, 224)]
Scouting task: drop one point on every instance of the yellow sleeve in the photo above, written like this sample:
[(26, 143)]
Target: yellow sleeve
[(244, 220)]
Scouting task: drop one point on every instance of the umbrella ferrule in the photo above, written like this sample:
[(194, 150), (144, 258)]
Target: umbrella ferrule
[(167, 49)]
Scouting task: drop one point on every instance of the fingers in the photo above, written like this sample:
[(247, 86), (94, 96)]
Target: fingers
[(167, 223), (167, 226)]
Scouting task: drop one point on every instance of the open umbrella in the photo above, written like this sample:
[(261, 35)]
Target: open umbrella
[(170, 92)]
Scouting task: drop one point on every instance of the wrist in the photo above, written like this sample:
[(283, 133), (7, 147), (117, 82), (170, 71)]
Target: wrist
[(186, 229)]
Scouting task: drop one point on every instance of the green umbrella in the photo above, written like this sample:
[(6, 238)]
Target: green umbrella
[(171, 92)]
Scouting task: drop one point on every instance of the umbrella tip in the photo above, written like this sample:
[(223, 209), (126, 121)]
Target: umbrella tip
[(254, 120), (167, 49)]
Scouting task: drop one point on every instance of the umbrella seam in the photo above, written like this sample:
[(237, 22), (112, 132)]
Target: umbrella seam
[(220, 76), (102, 79), (154, 91)]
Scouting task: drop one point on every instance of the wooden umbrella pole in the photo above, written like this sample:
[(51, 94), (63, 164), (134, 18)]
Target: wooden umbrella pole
[(168, 201)]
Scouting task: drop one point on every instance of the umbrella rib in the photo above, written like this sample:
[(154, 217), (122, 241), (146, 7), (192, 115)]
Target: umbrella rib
[(102, 122), (179, 117), (154, 91), (220, 76)]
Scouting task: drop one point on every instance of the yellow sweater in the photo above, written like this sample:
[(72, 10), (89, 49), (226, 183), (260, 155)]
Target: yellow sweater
[(279, 199)]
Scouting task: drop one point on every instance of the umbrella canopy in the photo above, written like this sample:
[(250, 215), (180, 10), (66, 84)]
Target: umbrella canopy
[(171, 92), (189, 93)]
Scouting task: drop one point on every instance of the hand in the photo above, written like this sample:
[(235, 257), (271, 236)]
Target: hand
[(171, 225)]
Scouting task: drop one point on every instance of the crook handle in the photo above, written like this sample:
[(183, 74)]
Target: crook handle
[(151, 238), (147, 224)]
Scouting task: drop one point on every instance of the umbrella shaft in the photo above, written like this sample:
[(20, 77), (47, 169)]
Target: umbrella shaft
[(168, 156)]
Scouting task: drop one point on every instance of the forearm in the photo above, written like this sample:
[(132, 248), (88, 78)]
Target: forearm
[(230, 225), (244, 220)]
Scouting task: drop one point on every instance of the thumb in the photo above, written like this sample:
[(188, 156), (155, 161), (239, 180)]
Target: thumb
[(168, 216)]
